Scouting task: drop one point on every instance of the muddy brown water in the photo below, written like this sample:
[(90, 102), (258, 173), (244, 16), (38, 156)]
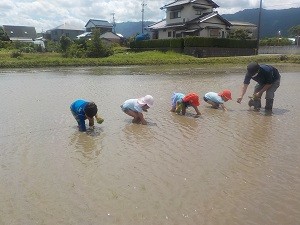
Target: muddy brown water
[(236, 167)]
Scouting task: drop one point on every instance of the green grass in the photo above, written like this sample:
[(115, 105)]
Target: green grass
[(31, 60)]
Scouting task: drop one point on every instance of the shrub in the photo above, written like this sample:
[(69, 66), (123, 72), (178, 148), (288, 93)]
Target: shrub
[(95, 47), (76, 51), (65, 42), (275, 42), (15, 54)]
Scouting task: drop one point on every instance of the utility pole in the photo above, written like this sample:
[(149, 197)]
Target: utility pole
[(143, 9), (259, 24), (114, 22)]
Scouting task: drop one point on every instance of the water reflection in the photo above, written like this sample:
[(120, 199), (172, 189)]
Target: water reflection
[(87, 143)]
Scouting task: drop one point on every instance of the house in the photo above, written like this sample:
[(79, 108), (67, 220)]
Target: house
[(20, 33), (107, 37), (110, 38), (103, 25), (190, 18), (250, 27), (65, 29)]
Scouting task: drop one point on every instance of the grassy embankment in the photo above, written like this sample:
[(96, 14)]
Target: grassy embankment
[(31, 60)]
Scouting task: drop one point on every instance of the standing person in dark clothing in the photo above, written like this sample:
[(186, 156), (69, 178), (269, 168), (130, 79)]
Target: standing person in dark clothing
[(268, 80)]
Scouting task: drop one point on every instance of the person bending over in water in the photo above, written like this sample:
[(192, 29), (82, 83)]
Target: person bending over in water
[(82, 110), (135, 107), (217, 99), (181, 102), (268, 80)]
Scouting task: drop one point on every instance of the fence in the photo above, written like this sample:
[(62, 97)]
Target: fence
[(287, 50)]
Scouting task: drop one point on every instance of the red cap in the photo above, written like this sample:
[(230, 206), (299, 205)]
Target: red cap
[(226, 94)]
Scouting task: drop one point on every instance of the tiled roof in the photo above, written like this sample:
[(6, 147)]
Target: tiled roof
[(241, 23), (160, 24), (20, 32), (99, 23), (182, 2), (207, 16)]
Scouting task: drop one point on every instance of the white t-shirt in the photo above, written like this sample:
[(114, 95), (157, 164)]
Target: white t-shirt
[(132, 104), (214, 97)]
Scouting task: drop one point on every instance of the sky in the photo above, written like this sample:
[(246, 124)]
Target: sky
[(48, 14)]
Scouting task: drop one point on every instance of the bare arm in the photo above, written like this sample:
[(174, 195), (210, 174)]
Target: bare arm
[(141, 117), (197, 110), (223, 107), (243, 91), (91, 121), (266, 87)]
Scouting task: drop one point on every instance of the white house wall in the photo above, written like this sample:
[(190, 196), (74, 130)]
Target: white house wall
[(187, 13), (213, 22)]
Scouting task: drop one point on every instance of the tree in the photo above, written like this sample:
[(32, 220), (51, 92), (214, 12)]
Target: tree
[(95, 47), (240, 34), (65, 42), (295, 30), (3, 35)]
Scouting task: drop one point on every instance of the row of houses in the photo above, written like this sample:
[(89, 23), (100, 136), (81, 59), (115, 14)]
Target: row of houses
[(183, 18), (28, 34)]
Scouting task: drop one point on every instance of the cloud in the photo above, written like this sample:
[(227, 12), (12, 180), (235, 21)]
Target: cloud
[(45, 14)]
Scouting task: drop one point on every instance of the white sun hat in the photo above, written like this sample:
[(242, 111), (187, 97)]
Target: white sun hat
[(147, 100)]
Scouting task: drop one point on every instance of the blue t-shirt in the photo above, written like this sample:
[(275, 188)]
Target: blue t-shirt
[(176, 97), (214, 97), (77, 109)]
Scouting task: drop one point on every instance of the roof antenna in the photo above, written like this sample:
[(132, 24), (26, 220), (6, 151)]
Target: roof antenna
[(143, 9), (114, 22)]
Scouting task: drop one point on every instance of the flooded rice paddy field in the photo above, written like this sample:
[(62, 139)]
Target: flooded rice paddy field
[(236, 167)]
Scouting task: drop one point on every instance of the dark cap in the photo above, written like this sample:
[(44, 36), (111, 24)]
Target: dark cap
[(252, 68), (90, 109)]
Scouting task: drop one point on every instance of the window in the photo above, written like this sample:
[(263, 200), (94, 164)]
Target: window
[(214, 33), (169, 34), (199, 12), (175, 14)]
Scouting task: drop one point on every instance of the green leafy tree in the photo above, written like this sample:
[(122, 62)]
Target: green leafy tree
[(295, 31), (52, 46), (240, 34), (95, 47), (65, 43), (76, 51), (275, 41), (3, 35)]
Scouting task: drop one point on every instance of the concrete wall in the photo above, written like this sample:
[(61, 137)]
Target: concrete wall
[(288, 50), (202, 52)]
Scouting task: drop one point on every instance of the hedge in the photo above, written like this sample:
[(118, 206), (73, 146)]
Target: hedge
[(194, 42)]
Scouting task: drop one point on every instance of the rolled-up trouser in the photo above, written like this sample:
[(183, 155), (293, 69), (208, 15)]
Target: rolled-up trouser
[(270, 93)]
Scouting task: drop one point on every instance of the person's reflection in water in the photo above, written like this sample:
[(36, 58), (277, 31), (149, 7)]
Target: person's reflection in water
[(139, 137), (86, 142), (187, 125), (257, 137)]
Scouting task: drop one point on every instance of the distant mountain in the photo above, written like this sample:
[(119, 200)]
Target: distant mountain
[(272, 21), (129, 29)]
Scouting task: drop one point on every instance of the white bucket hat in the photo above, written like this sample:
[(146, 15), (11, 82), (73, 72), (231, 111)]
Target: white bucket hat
[(147, 100)]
